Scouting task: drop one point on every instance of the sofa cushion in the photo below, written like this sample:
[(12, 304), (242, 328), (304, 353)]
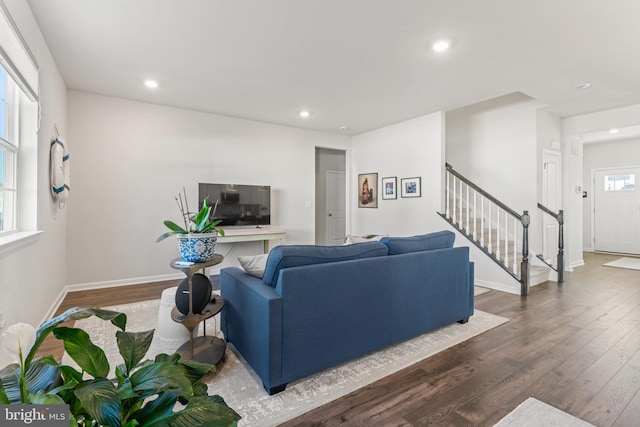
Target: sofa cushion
[(426, 242), (297, 255)]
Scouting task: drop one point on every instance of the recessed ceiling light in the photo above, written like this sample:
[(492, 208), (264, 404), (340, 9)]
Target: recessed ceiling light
[(441, 45), (343, 128), (151, 84), (582, 86), (614, 130), (304, 114)]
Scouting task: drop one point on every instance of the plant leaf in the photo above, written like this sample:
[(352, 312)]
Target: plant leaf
[(160, 376), (200, 411), (3, 397), (100, 400), (86, 354), (118, 319), (39, 378), (195, 370), (162, 357), (174, 227), (200, 389), (133, 346), (46, 399), (200, 221), (125, 390), (158, 408)]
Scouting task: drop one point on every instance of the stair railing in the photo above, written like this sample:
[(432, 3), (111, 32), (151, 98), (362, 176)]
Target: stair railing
[(559, 266), (488, 223)]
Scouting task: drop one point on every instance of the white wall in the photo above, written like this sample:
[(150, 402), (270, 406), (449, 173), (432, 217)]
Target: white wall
[(131, 159), (494, 144), (33, 275), (414, 148), (610, 154)]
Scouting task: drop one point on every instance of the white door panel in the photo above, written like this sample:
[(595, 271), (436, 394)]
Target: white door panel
[(336, 194), (617, 210)]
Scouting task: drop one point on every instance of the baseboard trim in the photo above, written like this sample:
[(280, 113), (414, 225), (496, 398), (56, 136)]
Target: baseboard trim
[(503, 287), (574, 264)]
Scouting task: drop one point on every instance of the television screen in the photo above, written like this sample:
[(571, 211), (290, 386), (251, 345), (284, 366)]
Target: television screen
[(238, 205)]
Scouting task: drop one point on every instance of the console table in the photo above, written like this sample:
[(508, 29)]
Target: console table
[(264, 234), (207, 349)]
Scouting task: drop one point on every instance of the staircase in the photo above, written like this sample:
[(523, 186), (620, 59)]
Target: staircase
[(497, 230)]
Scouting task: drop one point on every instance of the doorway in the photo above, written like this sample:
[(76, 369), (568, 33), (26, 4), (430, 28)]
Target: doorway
[(616, 210), (330, 210)]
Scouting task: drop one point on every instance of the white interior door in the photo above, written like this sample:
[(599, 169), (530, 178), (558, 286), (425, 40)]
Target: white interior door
[(551, 185), (335, 218), (616, 213)]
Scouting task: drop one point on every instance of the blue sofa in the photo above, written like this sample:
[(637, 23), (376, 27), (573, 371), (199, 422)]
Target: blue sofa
[(317, 307)]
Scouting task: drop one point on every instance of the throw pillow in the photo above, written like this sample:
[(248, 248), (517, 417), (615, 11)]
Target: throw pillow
[(351, 239), (254, 265)]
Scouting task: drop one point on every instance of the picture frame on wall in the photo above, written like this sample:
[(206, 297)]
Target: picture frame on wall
[(410, 187), (367, 190), (389, 188)]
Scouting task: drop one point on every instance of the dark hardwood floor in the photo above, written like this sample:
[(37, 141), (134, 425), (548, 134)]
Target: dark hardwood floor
[(574, 346)]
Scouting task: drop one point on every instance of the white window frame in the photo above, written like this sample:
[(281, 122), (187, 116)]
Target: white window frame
[(11, 145)]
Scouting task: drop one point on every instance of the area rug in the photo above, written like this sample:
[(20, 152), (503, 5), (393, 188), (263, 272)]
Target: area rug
[(242, 390), (534, 413), (626, 262)]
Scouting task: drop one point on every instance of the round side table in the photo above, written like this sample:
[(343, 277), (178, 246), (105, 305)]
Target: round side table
[(207, 349)]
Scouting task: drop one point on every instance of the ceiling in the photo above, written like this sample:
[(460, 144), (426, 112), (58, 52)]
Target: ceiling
[(358, 64)]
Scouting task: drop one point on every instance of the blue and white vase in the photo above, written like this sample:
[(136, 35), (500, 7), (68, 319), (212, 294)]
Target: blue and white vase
[(197, 247)]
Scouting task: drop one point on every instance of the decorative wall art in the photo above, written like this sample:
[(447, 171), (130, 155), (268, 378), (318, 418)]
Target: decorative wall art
[(410, 187), (368, 190), (389, 188)]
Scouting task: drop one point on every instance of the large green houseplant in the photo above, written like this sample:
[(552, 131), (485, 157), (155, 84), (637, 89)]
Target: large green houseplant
[(198, 237), (143, 393)]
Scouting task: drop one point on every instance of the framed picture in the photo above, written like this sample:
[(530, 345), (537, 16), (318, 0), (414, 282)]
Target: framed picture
[(367, 190), (389, 190), (410, 187)]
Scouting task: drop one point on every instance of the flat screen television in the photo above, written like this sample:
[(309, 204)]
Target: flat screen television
[(238, 205)]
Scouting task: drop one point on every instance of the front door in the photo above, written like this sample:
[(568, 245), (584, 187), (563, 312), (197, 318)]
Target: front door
[(617, 210)]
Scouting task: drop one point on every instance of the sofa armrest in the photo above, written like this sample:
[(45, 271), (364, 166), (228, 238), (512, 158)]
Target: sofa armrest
[(252, 322)]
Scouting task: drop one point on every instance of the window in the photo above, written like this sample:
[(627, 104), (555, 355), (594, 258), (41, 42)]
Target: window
[(8, 151), (620, 182)]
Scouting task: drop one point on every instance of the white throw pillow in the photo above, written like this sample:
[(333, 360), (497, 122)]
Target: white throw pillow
[(254, 265), (350, 239)]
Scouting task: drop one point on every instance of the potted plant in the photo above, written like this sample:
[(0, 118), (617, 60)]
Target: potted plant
[(197, 239), (143, 393)]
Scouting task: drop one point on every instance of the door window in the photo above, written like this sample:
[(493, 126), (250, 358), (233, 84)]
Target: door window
[(620, 182)]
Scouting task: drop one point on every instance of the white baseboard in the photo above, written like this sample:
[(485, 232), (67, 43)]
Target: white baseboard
[(574, 264), (512, 289)]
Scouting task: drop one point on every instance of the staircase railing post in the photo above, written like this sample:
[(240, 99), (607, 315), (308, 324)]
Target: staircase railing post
[(524, 266), (561, 246)]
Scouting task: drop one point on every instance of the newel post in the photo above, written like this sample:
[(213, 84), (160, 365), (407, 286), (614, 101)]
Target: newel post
[(561, 246), (524, 266)]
